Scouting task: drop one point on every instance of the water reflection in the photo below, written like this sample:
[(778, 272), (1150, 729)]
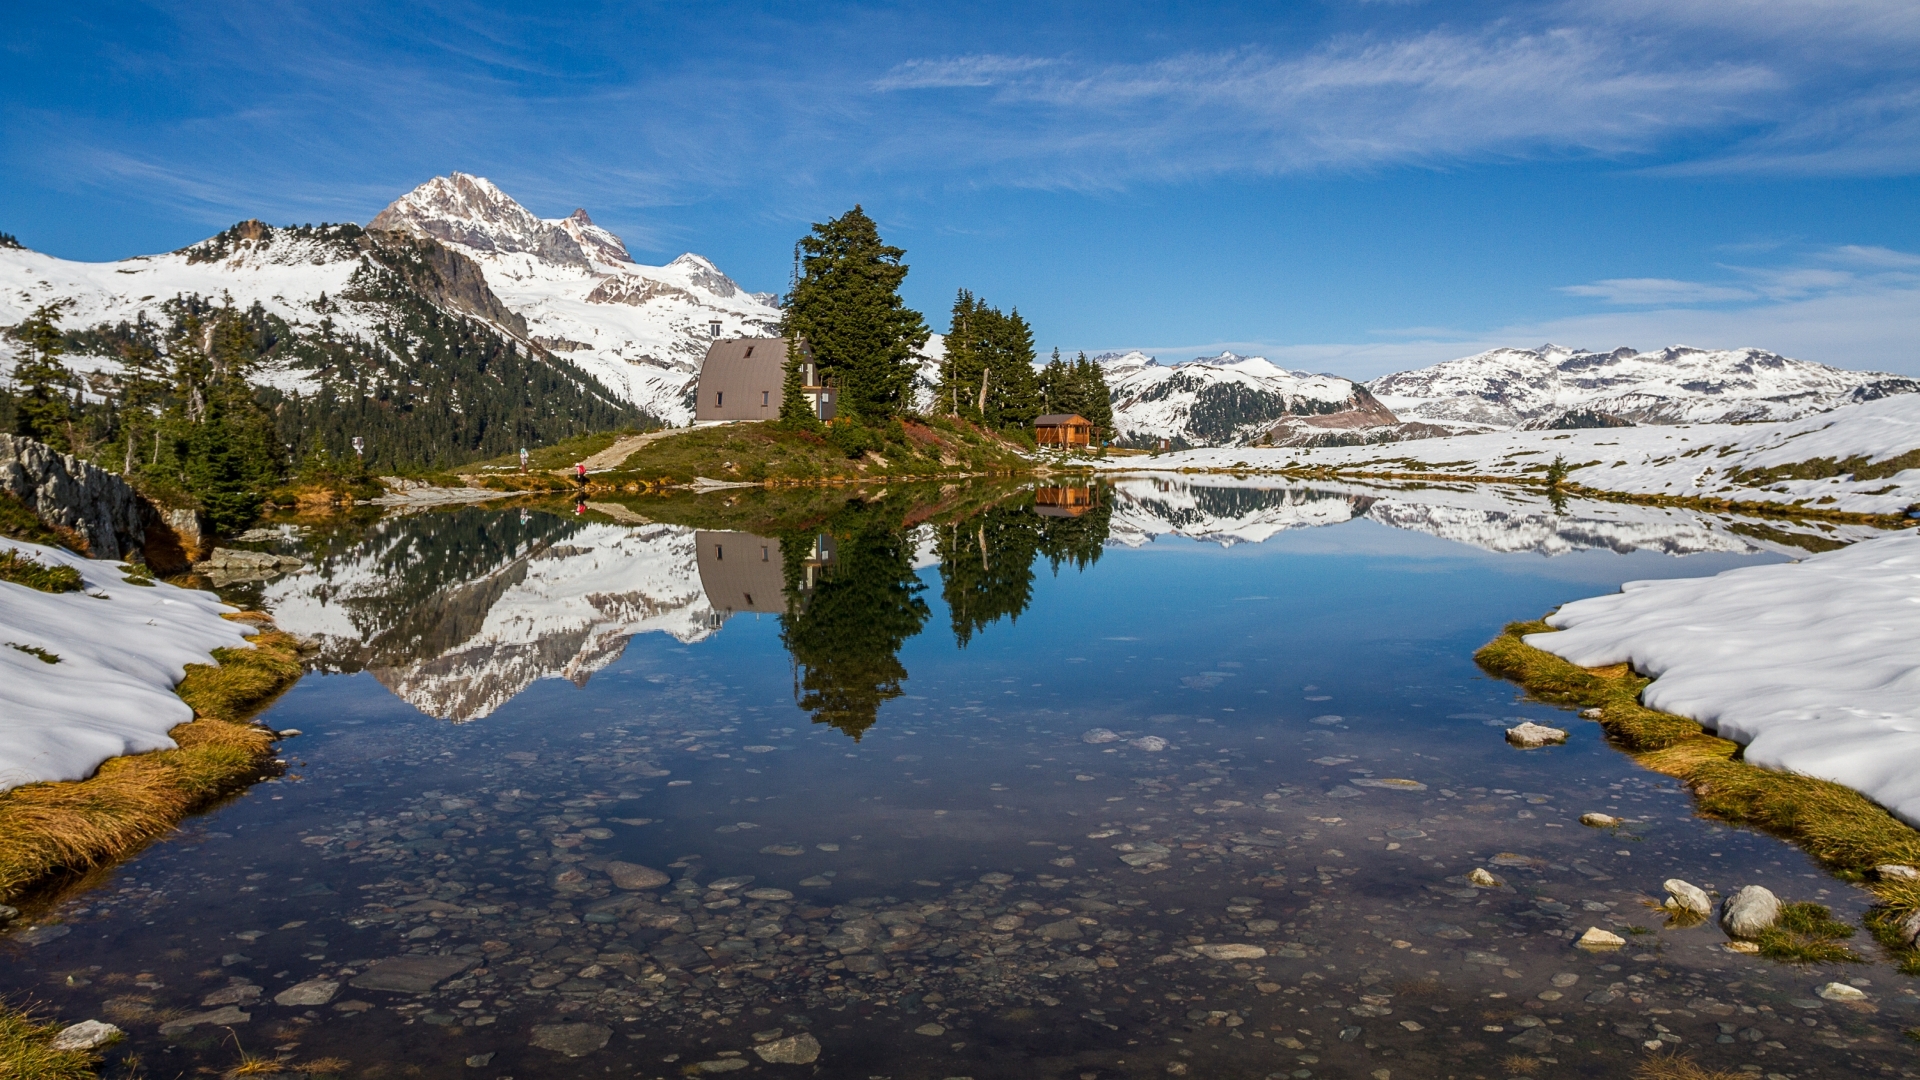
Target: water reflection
[(459, 612)]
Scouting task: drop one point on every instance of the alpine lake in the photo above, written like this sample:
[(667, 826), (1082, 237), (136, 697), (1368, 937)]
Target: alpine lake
[(1156, 776)]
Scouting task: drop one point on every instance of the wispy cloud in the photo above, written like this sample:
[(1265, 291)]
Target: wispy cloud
[(1657, 291)]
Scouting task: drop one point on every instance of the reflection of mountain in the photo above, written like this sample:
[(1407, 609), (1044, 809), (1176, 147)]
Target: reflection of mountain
[(1223, 510), (457, 613), (1227, 510)]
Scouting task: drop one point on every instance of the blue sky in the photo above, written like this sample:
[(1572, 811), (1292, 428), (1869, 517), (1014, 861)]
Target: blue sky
[(1340, 185)]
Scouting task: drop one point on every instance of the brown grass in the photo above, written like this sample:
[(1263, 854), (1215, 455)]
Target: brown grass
[(26, 1053), (1842, 828), (1664, 1066), (70, 827)]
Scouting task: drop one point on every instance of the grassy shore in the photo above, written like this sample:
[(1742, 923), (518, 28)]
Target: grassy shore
[(55, 829), (1847, 832)]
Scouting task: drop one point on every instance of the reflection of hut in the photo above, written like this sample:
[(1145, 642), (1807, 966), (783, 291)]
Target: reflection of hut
[(1062, 502), (741, 379), (741, 572), (1062, 429)]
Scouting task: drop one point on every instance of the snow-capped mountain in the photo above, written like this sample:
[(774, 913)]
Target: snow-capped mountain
[(1219, 510), (1510, 388), (1230, 400), (641, 330)]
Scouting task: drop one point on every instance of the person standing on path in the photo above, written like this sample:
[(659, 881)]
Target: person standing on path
[(580, 472), (523, 459)]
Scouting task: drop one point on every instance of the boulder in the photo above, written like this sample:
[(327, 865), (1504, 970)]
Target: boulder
[(1599, 821), (1839, 991), (1909, 928), (1687, 897), (1481, 878), (1749, 911), (1896, 872), (1532, 736)]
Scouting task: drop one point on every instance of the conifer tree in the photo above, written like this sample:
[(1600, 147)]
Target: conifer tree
[(1096, 399), (846, 303), (42, 409)]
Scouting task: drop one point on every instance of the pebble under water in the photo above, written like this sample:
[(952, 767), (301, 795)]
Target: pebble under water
[(1000, 793)]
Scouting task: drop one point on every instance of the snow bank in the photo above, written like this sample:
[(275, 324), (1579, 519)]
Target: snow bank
[(122, 649), (1814, 665)]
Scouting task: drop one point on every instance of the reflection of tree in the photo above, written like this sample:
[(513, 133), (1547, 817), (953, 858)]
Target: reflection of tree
[(848, 615), (986, 561)]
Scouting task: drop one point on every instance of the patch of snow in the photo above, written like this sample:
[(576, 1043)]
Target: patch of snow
[(1814, 666), (122, 649)]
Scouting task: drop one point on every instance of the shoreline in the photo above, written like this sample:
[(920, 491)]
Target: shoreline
[(1842, 829)]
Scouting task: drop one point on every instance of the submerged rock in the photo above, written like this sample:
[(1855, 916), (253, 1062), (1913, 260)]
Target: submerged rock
[(216, 1018), (1749, 911), (573, 1040), (1099, 735), (412, 974), (1685, 896), (1839, 991), (1480, 877), (801, 1049), (311, 992), (1531, 736), (634, 877), (1232, 952)]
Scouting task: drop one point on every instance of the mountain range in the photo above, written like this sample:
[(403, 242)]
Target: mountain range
[(624, 341)]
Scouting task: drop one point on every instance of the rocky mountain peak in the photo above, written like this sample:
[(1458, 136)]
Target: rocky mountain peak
[(473, 212)]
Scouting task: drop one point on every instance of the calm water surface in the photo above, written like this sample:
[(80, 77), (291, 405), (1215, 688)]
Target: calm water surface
[(1141, 780)]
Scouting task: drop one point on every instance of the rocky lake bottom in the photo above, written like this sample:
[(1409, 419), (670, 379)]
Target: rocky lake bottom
[(1182, 810)]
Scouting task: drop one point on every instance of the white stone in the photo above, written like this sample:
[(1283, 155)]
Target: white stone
[(1099, 735), (1480, 877), (1599, 821), (1838, 991), (1232, 952), (1596, 938), (1531, 736), (1897, 872)]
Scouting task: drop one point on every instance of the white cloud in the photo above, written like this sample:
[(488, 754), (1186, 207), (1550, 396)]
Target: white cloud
[(1656, 291)]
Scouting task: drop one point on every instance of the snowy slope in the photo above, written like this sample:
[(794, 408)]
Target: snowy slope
[(122, 648), (1226, 400), (1506, 388), (1221, 510), (1814, 666), (640, 330), (287, 277), (1860, 458)]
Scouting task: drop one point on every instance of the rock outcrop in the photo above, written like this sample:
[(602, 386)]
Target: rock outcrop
[(98, 510)]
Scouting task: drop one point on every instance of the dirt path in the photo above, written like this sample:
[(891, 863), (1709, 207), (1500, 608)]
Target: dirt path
[(616, 455)]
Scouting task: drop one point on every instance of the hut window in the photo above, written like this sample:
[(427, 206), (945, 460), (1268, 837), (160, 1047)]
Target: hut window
[(764, 396), (718, 397), (719, 553), (749, 351)]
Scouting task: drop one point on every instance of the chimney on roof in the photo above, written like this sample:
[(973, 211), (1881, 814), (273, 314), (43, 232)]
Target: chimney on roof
[(714, 327)]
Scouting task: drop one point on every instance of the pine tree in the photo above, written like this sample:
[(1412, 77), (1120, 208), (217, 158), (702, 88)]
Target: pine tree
[(1059, 386), (42, 409), (1096, 400), (846, 303), (1014, 400), (797, 411)]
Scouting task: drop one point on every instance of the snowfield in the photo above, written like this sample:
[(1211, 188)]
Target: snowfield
[(1717, 461), (122, 649), (1814, 666)]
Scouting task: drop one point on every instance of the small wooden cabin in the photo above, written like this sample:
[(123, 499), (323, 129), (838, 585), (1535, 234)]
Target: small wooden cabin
[(1062, 429), (741, 379), (1062, 501)]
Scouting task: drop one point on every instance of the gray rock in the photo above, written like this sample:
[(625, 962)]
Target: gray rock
[(1688, 897), (634, 877), (1839, 991), (801, 1049), (40, 935), (217, 1018), (1896, 872), (311, 992), (240, 993), (412, 974), (722, 1065), (97, 507), (478, 1061), (573, 1040), (86, 1035), (8, 914), (1064, 930), (1749, 911), (1909, 927)]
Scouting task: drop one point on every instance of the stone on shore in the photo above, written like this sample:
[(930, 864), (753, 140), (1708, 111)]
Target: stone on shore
[(1532, 736), (1688, 897), (1749, 911), (1839, 991), (1896, 872)]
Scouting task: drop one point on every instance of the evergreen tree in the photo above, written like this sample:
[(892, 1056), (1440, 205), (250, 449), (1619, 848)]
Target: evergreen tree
[(846, 303), (42, 409), (1014, 398), (796, 408), (988, 376), (1096, 400), (1058, 384)]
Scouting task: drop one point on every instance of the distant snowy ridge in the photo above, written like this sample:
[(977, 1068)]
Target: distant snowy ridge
[(1508, 388), (1231, 400)]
